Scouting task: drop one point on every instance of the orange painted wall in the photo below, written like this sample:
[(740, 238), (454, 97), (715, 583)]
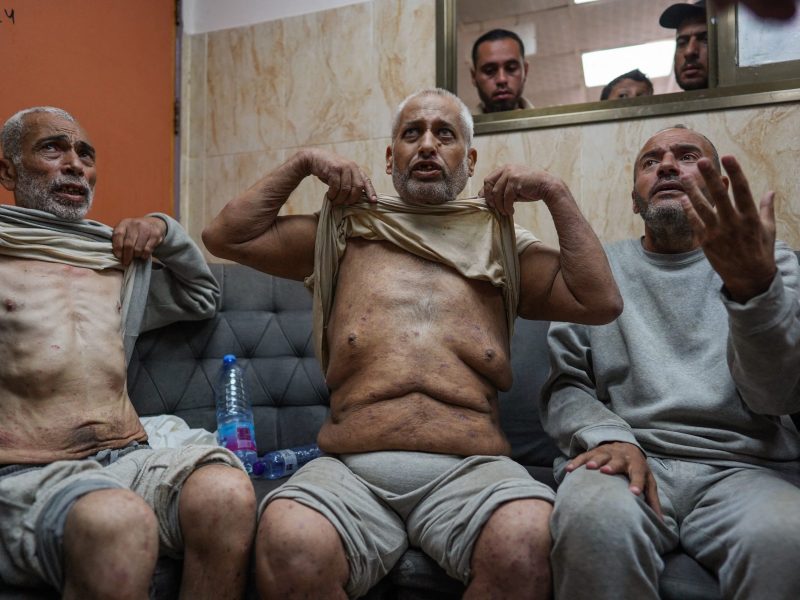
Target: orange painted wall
[(111, 64)]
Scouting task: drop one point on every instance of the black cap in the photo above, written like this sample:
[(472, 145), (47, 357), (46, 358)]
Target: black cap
[(678, 13)]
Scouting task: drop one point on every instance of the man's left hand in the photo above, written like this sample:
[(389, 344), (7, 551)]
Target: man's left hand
[(737, 238), (137, 238), (517, 183)]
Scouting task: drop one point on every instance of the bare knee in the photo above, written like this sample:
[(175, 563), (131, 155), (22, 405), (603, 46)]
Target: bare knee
[(298, 551), (217, 501), (110, 546), (511, 556), (113, 516)]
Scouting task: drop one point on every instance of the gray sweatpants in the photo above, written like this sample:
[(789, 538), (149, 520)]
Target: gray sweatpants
[(742, 523)]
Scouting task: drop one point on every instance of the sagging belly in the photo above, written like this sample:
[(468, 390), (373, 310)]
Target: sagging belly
[(413, 422)]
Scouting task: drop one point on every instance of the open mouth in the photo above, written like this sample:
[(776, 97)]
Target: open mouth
[(71, 191), (427, 169), (668, 186)]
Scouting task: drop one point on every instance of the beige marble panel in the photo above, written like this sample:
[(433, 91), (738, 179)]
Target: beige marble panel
[(192, 199), (766, 140), (193, 95), (246, 78), (552, 150), (228, 176), (332, 84), (405, 42)]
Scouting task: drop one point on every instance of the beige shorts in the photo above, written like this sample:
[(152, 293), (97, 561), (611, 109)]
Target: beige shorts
[(34, 503), (382, 502)]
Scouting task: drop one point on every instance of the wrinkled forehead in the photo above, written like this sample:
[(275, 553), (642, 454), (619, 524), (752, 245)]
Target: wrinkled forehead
[(38, 126), (431, 108), (664, 140)]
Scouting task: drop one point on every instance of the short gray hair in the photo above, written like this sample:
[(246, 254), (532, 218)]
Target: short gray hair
[(14, 130), (464, 116)]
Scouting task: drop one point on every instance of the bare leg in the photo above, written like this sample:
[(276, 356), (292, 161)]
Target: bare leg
[(110, 547), (217, 515), (511, 558), (299, 554)]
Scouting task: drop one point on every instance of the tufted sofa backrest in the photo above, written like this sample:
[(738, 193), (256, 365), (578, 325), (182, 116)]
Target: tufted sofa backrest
[(266, 322)]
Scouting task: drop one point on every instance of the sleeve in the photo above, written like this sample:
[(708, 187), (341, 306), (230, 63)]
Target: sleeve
[(524, 238), (569, 408), (183, 288), (764, 341)]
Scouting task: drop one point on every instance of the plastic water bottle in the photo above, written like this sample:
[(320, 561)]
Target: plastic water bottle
[(235, 430), (282, 463)]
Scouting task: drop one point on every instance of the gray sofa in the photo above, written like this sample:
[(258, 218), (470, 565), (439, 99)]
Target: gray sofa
[(266, 322)]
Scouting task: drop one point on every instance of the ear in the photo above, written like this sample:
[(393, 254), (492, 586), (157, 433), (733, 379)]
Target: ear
[(633, 201), (526, 68), (8, 174), (472, 75), (472, 158), (389, 160)]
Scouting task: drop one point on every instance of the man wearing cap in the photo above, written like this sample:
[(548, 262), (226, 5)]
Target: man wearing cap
[(691, 43)]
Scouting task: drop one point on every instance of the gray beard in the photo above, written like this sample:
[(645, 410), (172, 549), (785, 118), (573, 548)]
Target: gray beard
[(445, 190), (666, 222), (35, 191)]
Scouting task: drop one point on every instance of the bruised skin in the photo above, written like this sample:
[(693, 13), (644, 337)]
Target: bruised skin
[(62, 363), (418, 353)]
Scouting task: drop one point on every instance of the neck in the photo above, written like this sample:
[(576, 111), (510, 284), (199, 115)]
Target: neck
[(669, 240)]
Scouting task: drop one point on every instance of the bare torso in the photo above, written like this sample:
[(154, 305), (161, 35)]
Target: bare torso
[(62, 363), (417, 354)]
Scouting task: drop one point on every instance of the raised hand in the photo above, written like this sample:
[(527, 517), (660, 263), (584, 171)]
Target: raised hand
[(347, 183), (622, 458), (137, 238), (517, 183), (737, 238)]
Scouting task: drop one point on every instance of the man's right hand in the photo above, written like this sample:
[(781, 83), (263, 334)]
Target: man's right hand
[(347, 183), (622, 458)]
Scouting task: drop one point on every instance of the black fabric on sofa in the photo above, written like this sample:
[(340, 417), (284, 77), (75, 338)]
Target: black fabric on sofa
[(266, 322)]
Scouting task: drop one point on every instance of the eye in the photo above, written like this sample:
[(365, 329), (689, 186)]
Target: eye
[(489, 70), (446, 132), (649, 162), (690, 157), (410, 132)]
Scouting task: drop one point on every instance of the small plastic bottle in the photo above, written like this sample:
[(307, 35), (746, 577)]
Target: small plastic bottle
[(282, 463), (235, 430)]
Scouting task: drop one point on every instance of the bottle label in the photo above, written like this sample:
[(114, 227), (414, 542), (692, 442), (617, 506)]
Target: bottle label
[(289, 461), (237, 436)]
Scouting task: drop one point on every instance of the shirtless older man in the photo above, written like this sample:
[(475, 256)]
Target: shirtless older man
[(85, 504), (415, 344)]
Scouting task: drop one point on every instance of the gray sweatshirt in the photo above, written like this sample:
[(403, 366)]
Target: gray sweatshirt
[(658, 376)]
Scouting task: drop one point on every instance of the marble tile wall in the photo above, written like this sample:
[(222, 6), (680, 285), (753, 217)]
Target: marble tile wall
[(253, 95)]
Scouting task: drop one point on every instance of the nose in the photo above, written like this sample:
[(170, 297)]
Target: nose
[(692, 47), (72, 163), (427, 143), (668, 165), (501, 77)]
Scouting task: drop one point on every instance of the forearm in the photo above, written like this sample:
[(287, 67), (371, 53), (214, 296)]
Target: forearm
[(252, 214), (583, 267), (569, 408), (764, 342)]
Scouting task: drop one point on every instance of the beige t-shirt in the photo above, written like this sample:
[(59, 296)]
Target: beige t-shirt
[(466, 235)]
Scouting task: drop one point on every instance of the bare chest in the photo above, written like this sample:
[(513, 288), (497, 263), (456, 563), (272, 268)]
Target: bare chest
[(413, 314)]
